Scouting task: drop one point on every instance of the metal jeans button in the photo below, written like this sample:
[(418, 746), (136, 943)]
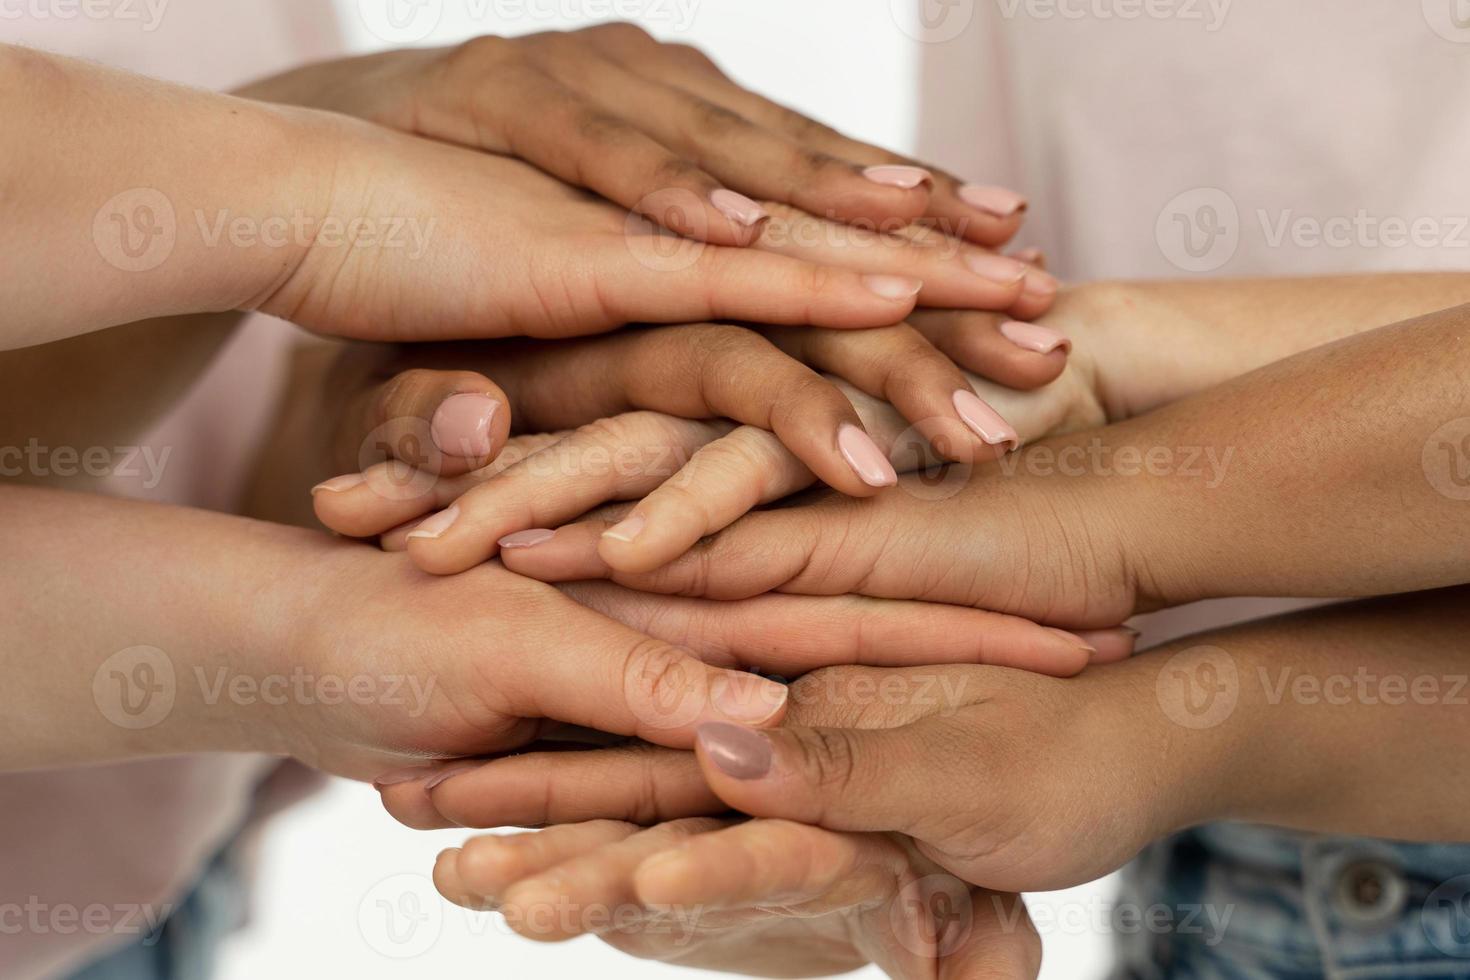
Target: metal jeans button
[(1370, 894)]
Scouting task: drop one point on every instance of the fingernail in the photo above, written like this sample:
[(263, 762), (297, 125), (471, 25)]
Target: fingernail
[(339, 483), (996, 268), (627, 529), (1110, 645), (737, 207), (894, 175), (894, 287), (737, 752), (1031, 255), (461, 424), (526, 539), (407, 775), (748, 698), (432, 527), (1040, 283), (985, 421), (865, 458), (998, 201), (1033, 337), (1074, 639), (450, 772)]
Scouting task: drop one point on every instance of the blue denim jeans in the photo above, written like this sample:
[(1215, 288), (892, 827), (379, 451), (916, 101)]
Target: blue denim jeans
[(184, 947), (1240, 902)]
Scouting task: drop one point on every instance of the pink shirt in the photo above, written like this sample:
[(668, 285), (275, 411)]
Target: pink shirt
[(112, 841)]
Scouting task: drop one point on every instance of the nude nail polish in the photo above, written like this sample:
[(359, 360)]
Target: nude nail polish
[(627, 529), (896, 175), (1034, 337), (865, 458), (450, 772), (526, 539), (1040, 283), (339, 483), (894, 287), (737, 752), (432, 527), (996, 268), (405, 775), (985, 421), (461, 424), (748, 698), (737, 207), (998, 201)]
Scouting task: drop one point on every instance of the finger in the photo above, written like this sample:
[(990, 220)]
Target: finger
[(828, 631), (612, 459), (1008, 352), (644, 282), (954, 274), (393, 493), (762, 863), (722, 481), (443, 422), (838, 778), (898, 365), (992, 939), (479, 872), (1031, 255)]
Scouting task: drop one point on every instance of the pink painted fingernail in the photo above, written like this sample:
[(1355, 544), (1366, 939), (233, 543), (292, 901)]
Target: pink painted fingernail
[(985, 421), (894, 287), (1031, 255), (526, 539), (1040, 283), (996, 268), (737, 752), (748, 698), (339, 483), (1034, 337), (737, 207), (865, 458), (432, 527), (1112, 645), (998, 201), (894, 175), (407, 775), (627, 529), (461, 425), (1074, 640), (450, 772)]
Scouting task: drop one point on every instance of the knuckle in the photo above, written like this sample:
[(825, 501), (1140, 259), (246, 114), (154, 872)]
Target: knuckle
[(621, 33), (597, 127), (815, 163), (830, 755), (672, 169), (712, 119), (486, 50)]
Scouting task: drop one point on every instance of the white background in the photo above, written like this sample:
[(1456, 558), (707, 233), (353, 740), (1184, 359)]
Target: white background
[(335, 867)]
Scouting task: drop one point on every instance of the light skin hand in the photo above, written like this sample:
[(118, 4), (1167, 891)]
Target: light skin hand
[(761, 897), (1021, 782)]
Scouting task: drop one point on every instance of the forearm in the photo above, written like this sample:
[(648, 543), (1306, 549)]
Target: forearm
[(1151, 343), (88, 577), (1350, 719), (171, 201), (1331, 473)]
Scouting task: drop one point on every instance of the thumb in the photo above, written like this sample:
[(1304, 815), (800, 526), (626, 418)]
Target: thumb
[(838, 778), (443, 422)]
